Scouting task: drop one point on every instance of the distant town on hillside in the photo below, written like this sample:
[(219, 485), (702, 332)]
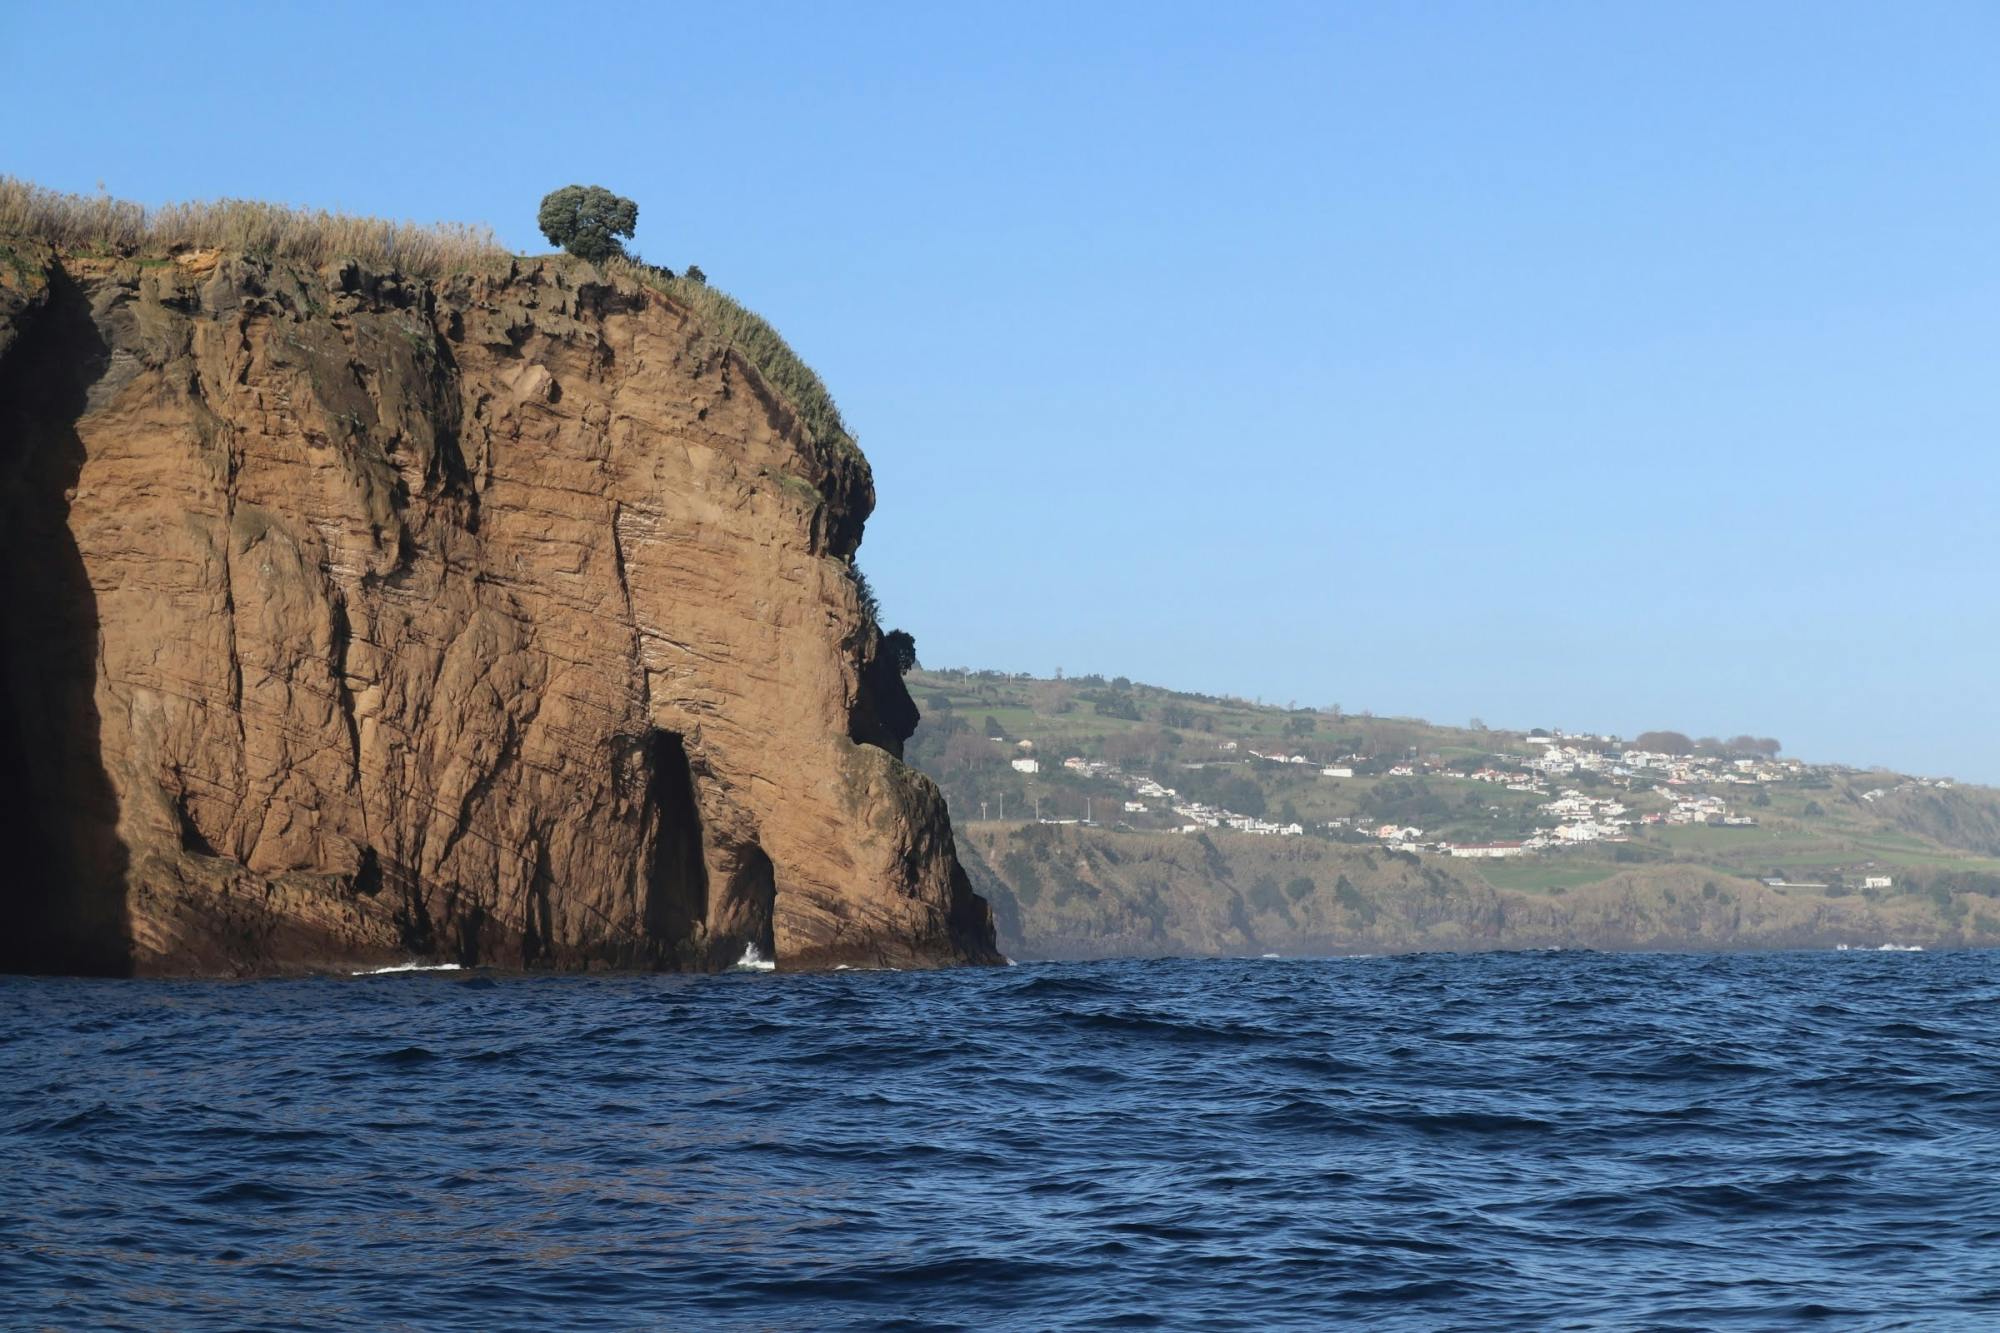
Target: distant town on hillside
[(1558, 806)]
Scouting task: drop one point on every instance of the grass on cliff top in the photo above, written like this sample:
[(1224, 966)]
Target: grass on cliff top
[(752, 337), (98, 223)]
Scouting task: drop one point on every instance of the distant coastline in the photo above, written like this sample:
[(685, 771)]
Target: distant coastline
[(1109, 818)]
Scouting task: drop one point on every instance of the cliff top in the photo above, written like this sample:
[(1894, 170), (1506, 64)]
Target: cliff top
[(102, 226)]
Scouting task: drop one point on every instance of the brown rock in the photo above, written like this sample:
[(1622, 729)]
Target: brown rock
[(346, 617)]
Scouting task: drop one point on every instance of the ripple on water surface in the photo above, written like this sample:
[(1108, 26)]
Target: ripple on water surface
[(1521, 1140)]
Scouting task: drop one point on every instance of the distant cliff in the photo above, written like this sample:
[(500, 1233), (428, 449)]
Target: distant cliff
[(504, 616), (1073, 892)]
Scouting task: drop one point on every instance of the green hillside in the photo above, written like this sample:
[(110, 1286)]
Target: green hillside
[(1136, 772)]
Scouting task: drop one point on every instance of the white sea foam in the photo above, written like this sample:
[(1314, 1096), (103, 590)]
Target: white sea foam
[(411, 967), (752, 961)]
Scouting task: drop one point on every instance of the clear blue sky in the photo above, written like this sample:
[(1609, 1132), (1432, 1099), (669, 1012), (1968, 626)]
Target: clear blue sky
[(1597, 365)]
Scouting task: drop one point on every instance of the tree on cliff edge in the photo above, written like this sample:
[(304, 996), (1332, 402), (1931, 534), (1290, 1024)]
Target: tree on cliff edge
[(587, 220)]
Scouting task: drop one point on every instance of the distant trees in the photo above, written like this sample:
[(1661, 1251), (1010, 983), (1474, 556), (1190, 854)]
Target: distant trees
[(1404, 802), (587, 220), (1301, 724), (1265, 895), (1736, 747), (1116, 705), (1229, 791)]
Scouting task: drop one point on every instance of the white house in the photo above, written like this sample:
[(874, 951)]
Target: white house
[(1027, 765), (1336, 771), (1877, 881), (1488, 849), (1135, 807)]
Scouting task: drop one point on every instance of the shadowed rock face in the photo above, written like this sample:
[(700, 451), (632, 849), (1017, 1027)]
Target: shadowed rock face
[(504, 618)]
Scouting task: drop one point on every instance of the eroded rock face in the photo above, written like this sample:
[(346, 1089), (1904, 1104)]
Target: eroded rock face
[(505, 618)]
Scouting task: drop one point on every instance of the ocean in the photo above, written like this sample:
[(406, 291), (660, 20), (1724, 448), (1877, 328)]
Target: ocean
[(1540, 1140)]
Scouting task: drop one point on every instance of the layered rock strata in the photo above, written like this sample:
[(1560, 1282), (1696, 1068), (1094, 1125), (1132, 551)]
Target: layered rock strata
[(503, 618)]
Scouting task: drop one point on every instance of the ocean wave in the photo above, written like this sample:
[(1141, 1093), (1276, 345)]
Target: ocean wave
[(1519, 1141), (408, 967), (754, 961)]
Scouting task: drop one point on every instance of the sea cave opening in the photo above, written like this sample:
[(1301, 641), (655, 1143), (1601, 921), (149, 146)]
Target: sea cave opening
[(677, 873)]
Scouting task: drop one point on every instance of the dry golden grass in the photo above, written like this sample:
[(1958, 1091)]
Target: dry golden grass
[(74, 222)]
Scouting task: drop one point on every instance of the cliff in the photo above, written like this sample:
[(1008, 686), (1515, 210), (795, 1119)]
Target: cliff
[(505, 616), (1073, 892)]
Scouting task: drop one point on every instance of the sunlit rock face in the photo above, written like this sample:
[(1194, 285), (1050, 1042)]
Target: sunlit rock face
[(506, 618)]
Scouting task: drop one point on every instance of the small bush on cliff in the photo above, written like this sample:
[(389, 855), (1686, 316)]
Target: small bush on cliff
[(870, 607), (587, 220), (901, 646)]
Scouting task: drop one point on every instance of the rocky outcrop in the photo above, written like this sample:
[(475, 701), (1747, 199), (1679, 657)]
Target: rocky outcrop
[(506, 618)]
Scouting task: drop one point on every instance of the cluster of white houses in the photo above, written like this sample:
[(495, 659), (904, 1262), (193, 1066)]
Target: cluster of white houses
[(1572, 816), (1557, 758), (1196, 814), (1576, 818)]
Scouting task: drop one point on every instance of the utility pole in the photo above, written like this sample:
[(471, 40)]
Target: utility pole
[(1003, 807), (982, 812)]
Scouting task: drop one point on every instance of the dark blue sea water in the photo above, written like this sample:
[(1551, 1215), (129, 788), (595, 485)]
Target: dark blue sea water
[(1528, 1140)]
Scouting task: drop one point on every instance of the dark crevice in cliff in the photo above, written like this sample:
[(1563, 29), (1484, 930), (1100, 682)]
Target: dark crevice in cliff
[(749, 902), (676, 872), (63, 892), (538, 926), (367, 881), (192, 838), (342, 634), (449, 470), (471, 923), (412, 919)]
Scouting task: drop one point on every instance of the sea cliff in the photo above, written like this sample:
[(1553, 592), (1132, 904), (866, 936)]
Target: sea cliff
[(506, 615)]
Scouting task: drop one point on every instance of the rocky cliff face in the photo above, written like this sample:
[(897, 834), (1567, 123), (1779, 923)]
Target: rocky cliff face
[(503, 618)]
